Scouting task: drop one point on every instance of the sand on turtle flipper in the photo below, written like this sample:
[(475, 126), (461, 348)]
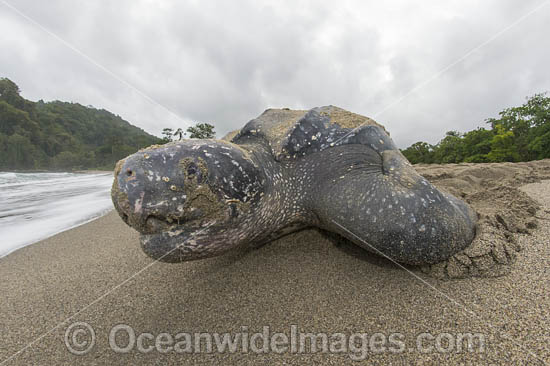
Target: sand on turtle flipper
[(504, 212)]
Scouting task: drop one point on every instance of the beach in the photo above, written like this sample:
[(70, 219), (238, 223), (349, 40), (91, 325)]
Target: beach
[(97, 274)]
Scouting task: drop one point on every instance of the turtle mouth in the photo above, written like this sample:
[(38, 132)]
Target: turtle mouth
[(157, 224), (151, 224), (180, 243), (164, 246)]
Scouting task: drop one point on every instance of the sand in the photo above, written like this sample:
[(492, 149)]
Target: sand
[(493, 190), (97, 274)]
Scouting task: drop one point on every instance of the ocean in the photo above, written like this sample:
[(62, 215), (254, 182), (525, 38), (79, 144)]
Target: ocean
[(34, 206)]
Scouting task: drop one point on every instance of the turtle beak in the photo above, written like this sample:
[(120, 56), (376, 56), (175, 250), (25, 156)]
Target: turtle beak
[(129, 192)]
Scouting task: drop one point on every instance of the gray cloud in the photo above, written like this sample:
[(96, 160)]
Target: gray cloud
[(225, 62)]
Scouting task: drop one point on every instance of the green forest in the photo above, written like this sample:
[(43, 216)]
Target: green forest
[(62, 136), (518, 134)]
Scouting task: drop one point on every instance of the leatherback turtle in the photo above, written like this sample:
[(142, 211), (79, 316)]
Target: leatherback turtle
[(284, 171)]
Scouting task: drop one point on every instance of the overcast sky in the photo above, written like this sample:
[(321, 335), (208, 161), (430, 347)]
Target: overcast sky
[(169, 64)]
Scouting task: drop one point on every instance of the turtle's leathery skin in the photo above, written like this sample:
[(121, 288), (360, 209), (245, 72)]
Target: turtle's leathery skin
[(284, 171)]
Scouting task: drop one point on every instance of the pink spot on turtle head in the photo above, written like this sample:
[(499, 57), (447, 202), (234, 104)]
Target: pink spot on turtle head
[(139, 202)]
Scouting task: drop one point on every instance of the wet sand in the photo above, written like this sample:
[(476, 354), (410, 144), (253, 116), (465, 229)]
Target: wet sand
[(96, 273)]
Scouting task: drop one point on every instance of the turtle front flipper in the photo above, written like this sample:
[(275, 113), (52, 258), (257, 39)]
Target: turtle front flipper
[(377, 200)]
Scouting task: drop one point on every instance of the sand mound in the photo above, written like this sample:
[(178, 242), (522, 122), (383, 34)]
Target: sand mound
[(493, 191)]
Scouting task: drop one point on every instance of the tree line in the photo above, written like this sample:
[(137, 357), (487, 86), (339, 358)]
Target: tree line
[(198, 131), (518, 134)]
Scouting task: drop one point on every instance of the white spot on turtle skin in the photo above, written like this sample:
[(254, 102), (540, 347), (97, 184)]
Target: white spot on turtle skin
[(166, 179), (161, 203), (422, 228), (138, 203), (174, 198)]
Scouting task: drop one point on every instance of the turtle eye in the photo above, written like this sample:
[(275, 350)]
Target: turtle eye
[(191, 170), (233, 212)]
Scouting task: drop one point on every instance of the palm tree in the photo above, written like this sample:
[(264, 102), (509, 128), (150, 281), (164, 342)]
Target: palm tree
[(179, 132), (168, 133)]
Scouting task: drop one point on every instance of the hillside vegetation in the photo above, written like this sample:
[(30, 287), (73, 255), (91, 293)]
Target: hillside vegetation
[(62, 136), (519, 134)]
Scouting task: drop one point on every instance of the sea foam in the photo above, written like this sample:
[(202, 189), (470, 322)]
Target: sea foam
[(34, 206)]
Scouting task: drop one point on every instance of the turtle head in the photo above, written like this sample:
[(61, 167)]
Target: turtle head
[(181, 195)]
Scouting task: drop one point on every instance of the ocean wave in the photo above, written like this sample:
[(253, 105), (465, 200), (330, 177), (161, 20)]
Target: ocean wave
[(8, 175), (34, 206)]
